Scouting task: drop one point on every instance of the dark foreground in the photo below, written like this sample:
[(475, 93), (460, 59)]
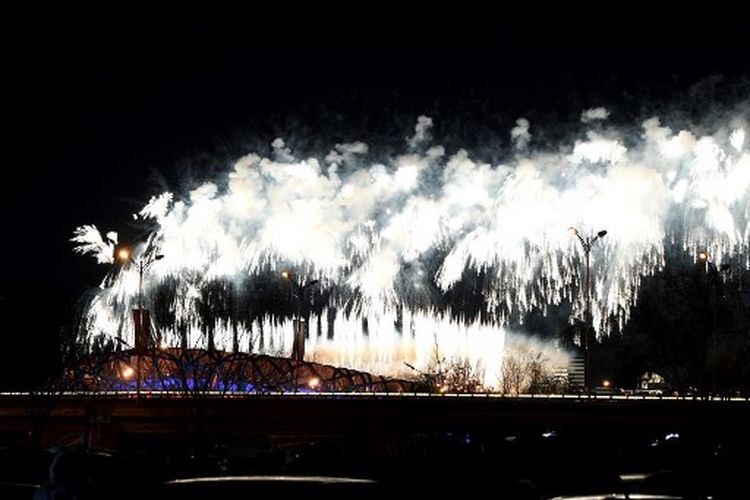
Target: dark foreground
[(283, 447)]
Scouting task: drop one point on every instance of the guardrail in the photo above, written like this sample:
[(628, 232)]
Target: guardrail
[(375, 395)]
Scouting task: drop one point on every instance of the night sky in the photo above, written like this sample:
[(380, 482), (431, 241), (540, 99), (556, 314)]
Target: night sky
[(103, 109)]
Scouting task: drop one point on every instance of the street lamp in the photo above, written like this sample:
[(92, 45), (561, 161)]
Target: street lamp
[(712, 289), (298, 290), (587, 340), (124, 255)]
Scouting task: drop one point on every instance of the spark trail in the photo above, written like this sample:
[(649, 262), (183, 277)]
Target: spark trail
[(433, 248)]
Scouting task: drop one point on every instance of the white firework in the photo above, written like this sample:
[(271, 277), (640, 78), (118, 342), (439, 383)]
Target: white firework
[(391, 241)]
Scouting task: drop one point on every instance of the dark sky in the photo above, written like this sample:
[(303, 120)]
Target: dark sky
[(103, 108)]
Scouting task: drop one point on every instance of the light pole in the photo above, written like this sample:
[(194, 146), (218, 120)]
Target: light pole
[(124, 255), (712, 289), (587, 340), (298, 290)]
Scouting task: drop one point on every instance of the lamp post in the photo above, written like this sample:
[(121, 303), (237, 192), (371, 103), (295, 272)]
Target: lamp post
[(587, 340), (712, 295), (298, 290), (124, 255)]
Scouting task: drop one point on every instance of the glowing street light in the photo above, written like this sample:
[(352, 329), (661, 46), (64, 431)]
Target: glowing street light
[(298, 290), (587, 340), (124, 255), (127, 373)]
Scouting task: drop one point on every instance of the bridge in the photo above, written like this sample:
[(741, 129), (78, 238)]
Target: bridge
[(108, 419)]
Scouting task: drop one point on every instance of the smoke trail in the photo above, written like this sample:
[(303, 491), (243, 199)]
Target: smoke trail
[(428, 247)]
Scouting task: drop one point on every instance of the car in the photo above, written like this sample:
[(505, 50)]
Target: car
[(272, 486)]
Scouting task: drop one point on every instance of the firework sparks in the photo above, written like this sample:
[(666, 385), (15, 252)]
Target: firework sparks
[(402, 247)]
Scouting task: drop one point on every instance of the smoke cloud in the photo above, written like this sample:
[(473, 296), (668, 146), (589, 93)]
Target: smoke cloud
[(594, 114), (429, 248), (520, 134)]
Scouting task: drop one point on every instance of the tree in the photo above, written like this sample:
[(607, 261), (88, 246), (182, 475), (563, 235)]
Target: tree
[(526, 371), (453, 375), (514, 373)]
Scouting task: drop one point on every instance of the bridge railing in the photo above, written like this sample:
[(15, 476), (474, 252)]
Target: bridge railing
[(154, 394)]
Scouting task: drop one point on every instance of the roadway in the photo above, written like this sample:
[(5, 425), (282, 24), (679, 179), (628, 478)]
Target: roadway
[(108, 419)]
